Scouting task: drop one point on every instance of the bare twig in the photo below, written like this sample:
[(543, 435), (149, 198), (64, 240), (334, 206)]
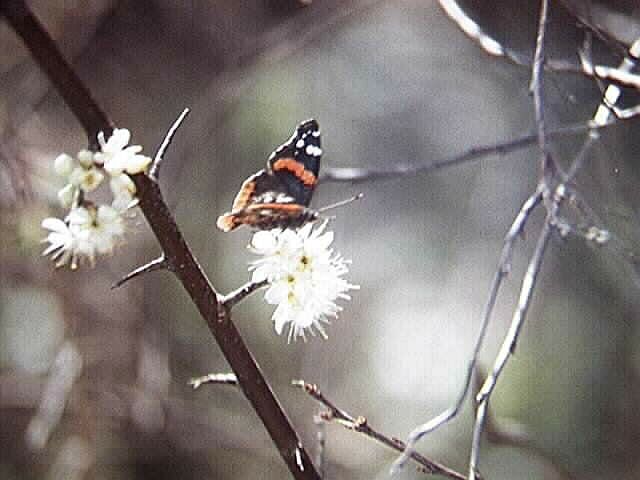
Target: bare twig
[(238, 295), (360, 425), (515, 436), (356, 174), (504, 267), (154, 170), (321, 445), (618, 76), (215, 378), (548, 167), (156, 264), (254, 386), (509, 344)]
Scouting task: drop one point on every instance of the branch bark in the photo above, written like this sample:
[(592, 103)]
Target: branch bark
[(175, 248)]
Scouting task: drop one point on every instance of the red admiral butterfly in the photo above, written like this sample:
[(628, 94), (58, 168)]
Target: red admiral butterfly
[(279, 195)]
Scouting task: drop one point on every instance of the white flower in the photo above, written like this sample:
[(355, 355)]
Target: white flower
[(123, 190), (305, 277), (62, 242), (97, 229), (80, 172), (117, 157), (86, 232)]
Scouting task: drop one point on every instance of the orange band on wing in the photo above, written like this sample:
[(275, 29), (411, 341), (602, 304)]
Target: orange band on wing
[(297, 168), (288, 207)]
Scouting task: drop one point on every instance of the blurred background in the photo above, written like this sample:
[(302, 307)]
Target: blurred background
[(93, 381)]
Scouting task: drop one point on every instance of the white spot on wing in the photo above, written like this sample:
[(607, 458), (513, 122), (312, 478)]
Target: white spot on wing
[(283, 198), (300, 143), (313, 150)]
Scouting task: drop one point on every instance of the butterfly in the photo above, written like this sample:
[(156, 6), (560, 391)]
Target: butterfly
[(278, 196)]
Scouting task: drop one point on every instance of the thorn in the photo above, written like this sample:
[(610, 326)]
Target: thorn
[(217, 378), (157, 264), (157, 160)]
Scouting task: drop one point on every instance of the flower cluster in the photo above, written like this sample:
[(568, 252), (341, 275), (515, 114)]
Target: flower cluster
[(304, 275), (90, 229)]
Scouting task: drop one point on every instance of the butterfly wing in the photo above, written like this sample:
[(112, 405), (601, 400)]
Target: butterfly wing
[(278, 196), (296, 163)]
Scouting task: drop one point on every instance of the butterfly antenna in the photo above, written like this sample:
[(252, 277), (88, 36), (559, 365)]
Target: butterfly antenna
[(341, 203)]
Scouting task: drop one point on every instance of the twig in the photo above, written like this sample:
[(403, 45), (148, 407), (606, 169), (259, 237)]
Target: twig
[(229, 300), (499, 434), (504, 267), (355, 174), (215, 378), (154, 170), (321, 445), (254, 386), (495, 48), (156, 264), (509, 344), (548, 168), (360, 425)]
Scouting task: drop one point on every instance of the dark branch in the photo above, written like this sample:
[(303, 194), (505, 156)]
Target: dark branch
[(360, 425), (154, 171), (156, 264), (173, 244), (59, 72)]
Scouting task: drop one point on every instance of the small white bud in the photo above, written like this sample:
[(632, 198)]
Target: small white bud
[(63, 165)]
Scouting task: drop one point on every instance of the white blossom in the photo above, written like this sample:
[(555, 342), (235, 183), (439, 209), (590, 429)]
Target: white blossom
[(97, 229), (123, 190), (117, 157), (81, 173), (85, 233), (62, 242), (305, 277), (91, 229)]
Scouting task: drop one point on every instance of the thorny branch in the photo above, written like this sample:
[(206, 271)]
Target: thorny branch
[(174, 247), (361, 425)]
